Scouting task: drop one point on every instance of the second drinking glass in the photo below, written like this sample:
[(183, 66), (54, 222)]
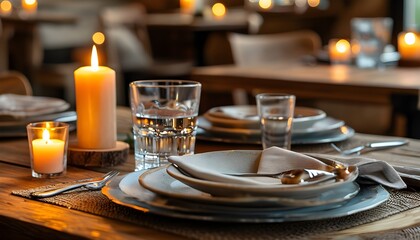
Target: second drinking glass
[(276, 118)]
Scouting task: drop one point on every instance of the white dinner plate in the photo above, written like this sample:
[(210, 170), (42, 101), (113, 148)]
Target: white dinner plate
[(246, 161), (369, 197), (16, 108), (245, 116), (18, 128), (160, 182), (334, 135), (322, 125)]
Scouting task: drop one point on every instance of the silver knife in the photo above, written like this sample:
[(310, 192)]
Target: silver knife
[(375, 145)]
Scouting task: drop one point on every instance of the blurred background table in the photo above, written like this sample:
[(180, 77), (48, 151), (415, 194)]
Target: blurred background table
[(324, 86)]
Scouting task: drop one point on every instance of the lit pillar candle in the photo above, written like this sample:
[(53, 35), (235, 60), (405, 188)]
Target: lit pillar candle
[(48, 154), (339, 51), (96, 105), (409, 45), (29, 6)]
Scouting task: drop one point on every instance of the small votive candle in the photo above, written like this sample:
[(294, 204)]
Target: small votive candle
[(409, 45), (48, 143), (29, 6), (339, 51)]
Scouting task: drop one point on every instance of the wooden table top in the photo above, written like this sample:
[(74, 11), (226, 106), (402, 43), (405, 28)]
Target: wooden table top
[(22, 218), (321, 81)]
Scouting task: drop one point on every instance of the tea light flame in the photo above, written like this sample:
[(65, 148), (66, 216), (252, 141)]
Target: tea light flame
[(342, 46), (410, 38), (46, 135), (219, 10)]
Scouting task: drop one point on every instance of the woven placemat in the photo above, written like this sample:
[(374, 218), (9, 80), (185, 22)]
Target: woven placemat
[(95, 202)]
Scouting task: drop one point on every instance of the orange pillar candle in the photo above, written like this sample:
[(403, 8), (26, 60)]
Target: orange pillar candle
[(409, 45), (48, 154), (339, 51), (29, 6), (96, 105)]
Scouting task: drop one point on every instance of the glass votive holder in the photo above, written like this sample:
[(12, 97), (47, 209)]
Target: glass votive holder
[(339, 51), (48, 143)]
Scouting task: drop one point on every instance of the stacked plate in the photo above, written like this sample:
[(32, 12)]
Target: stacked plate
[(16, 111), (169, 192), (240, 124)]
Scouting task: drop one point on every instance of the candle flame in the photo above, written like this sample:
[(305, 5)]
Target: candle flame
[(30, 2), (6, 6), (265, 4), (219, 10), (342, 46), (410, 38), (94, 59), (46, 135)]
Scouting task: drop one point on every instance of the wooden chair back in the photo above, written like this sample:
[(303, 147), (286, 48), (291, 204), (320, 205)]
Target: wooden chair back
[(14, 82)]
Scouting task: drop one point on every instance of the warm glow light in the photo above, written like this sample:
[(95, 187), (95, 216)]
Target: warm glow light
[(342, 46), (313, 3), (98, 38), (29, 6), (46, 135), (410, 38), (218, 10), (94, 59), (5, 6), (265, 4)]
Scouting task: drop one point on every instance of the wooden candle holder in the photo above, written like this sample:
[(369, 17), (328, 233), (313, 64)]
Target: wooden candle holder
[(97, 157)]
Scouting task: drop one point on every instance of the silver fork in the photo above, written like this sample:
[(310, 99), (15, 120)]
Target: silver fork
[(94, 184), (370, 146)]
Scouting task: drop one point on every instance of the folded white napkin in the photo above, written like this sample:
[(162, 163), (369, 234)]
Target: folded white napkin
[(276, 159), (14, 106), (273, 160)]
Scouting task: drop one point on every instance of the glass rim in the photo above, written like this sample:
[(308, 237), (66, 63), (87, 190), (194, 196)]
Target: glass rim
[(275, 95), (41, 125), (159, 83)]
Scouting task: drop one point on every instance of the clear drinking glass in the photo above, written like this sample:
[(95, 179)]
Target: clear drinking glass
[(48, 143), (164, 119), (276, 111), (369, 38)]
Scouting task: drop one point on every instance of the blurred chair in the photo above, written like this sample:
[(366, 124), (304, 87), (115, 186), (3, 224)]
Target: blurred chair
[(263, 49), (14, 82), (252, 50), (128, 49)]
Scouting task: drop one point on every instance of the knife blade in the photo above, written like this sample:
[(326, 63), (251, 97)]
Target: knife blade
[(375, 146)]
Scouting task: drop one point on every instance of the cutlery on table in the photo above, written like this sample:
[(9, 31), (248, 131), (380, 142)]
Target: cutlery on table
[(294, 176), (370, 146), (93, 184)]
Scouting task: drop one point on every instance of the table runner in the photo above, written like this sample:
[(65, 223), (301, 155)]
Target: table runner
[(95, 202)]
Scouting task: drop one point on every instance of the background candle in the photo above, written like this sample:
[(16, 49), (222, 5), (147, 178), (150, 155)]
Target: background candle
[(96, 105), (409, 45), (339, 51), (29, 6), (48, 154)]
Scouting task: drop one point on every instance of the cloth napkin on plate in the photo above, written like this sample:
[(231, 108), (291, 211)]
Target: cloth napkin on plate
[(276, 159), (15, 107)]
